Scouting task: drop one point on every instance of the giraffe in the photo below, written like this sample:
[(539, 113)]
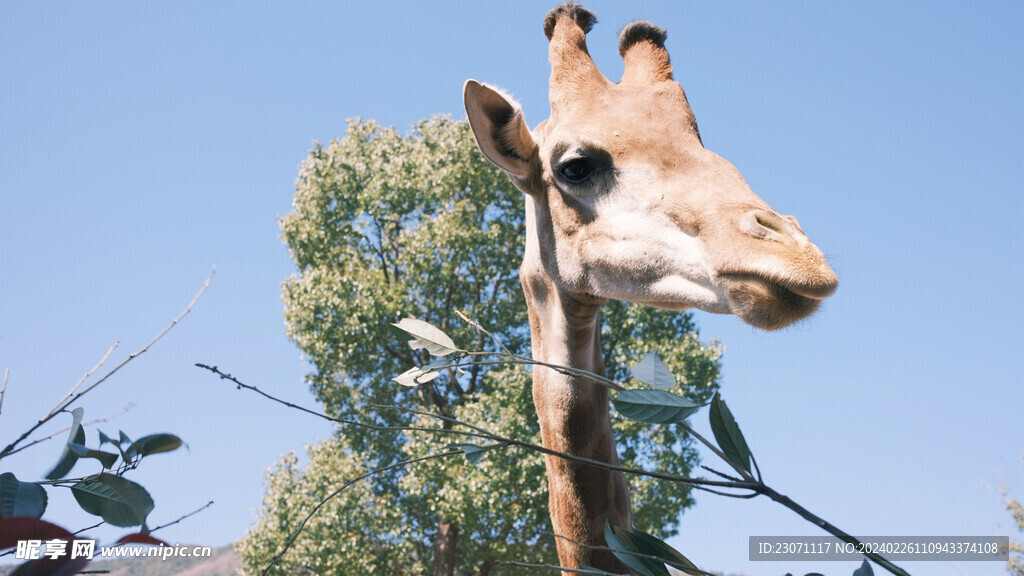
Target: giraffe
[(623, 201)]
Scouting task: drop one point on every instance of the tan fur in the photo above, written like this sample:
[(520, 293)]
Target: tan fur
[(658, 220)]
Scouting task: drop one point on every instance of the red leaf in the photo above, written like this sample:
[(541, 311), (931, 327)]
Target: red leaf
[(141, 539), (27, 528)]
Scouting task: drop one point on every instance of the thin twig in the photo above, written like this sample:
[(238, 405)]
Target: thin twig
[(728, 494), (59, 406), (566, 370), (817, 521), (743, 473), (3, 390), (73, 397), (155, 339), (193, 513), (720, 474), (239, 384), (477, 325), (96, 525), (483, 433), (106, 418), (757, 468)]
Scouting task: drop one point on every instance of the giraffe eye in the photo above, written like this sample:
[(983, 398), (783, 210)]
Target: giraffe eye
[(576, 171)]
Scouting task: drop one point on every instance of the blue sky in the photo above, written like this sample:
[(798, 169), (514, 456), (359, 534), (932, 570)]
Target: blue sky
[(143, 143)]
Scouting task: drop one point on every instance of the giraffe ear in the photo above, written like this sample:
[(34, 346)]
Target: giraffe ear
[(500, 130)]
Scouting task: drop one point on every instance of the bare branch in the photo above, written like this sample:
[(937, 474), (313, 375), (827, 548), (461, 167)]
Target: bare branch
[(73, 396), (96, 525), (485, 434), (59, 406), (483, 330), (720, 474), (239, 384), (106, 418), (833, 530), (3, 390), (689, 430), (193, 513)]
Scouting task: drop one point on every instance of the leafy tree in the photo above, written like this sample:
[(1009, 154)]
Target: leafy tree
[(1015, 561), (386, 226), (1015, 564)]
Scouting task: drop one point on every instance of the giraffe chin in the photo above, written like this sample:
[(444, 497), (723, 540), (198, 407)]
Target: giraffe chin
[(766, 303)]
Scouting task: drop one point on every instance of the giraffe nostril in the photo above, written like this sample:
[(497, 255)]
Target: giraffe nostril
[(763, 219), (764, 224)]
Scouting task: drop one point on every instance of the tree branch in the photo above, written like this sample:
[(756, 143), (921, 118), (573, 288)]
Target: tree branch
[(3, 390), (754, 486), (193, 513), (73, 396), (106, 418), (58, 407)]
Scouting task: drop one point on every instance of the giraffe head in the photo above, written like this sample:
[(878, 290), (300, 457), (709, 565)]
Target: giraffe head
[(624, 201)]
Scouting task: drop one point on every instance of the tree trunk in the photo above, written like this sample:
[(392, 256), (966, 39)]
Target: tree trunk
[(444, 548)]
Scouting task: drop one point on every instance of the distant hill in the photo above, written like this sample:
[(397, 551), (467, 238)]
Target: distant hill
[(223, 562)]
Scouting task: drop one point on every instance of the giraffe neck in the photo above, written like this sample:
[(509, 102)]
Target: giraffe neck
[(565, 332), (573, 415)]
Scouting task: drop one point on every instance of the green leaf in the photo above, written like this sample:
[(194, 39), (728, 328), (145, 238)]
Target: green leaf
[(120, 502), (654, 406), (104, 439), (652, 546), (105, 458), (69, 456), (652, 371), (20, 498), (427, 336), (156, 443), (130, 453), (625, 549), (864, 570), (646, 554), (728, 435)]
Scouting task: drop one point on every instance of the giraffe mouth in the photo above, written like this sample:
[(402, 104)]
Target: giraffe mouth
[(773, 303)]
